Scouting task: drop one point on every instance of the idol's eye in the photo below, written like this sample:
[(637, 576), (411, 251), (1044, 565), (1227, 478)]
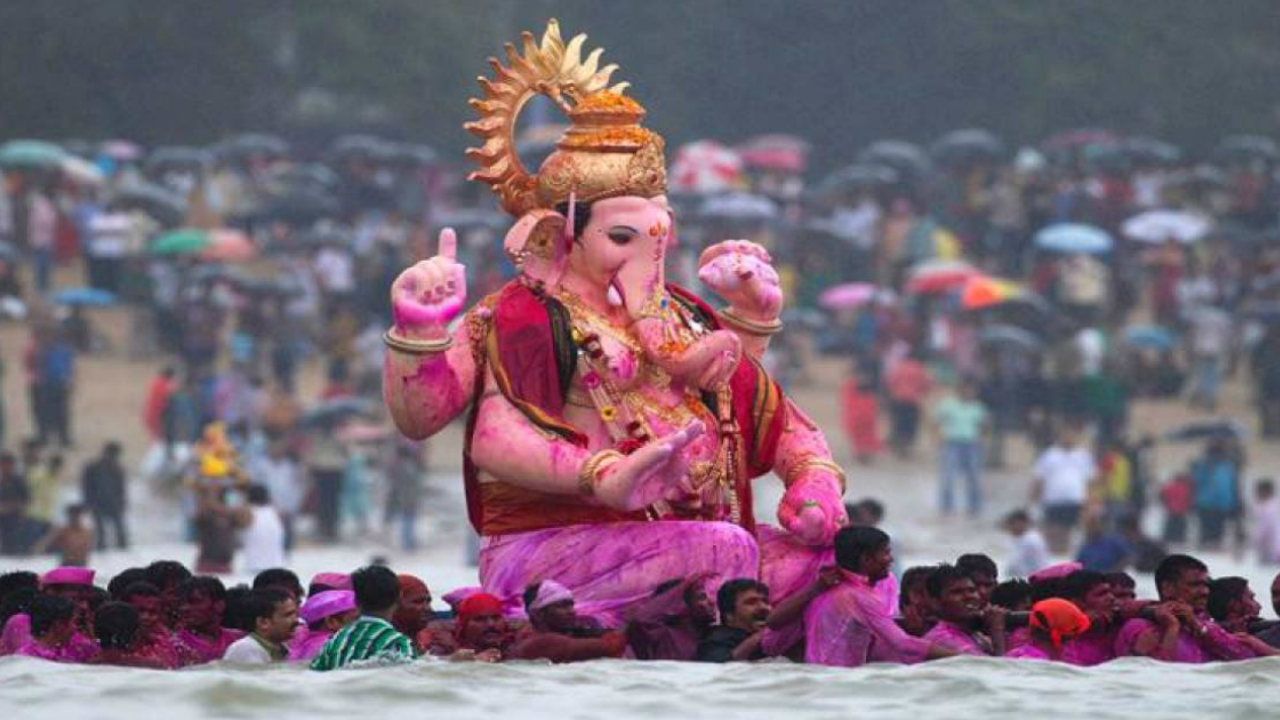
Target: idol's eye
[(620, 237)]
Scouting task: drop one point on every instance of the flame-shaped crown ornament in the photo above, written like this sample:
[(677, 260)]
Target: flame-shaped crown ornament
[(604, 153)]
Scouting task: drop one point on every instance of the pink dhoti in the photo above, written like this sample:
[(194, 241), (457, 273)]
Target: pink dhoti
[(610, 566)]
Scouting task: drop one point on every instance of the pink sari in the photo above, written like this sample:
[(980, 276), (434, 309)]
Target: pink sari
[(306, 644), (610, 566)]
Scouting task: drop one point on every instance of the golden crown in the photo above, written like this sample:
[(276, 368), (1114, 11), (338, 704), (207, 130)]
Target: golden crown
[(604, 153)]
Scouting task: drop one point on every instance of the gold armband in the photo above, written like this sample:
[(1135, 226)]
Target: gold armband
[(750, 327), (793, 472), (589, 475), (416, 347)]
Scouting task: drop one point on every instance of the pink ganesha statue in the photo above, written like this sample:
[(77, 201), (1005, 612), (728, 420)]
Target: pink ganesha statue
[(615, 421)]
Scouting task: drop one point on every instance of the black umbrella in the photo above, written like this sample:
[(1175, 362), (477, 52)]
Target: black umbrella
[(250, 144), (307, 175), (167, 207), (959, 146), (1246, 148), (859, 176), (298, 206), (908, 159), (177, 157), (359, 146), (412, 155), (1206, 430), (1151, 151), (1010, 337), (331, 412)]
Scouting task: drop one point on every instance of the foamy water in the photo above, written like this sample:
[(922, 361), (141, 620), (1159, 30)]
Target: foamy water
[(950, 689)]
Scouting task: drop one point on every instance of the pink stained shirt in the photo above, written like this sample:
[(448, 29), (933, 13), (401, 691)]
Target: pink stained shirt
[(851, 625), (196, 649), (963, 642), (159, 650), (1216, 645), (78, 649), (1092, 648), (17, 632), (1028, 652), (306, 644)]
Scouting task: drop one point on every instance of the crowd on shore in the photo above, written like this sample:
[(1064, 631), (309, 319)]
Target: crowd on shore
[(855, 612)]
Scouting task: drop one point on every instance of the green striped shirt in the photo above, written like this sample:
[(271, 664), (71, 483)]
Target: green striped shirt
[(367, 640)]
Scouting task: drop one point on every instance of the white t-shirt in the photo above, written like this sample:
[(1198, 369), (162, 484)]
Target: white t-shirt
[(262, 542), (1065, 474), (247, 651), (1028, 554)]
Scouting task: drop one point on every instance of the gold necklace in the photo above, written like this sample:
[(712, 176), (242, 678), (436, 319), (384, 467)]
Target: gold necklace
[(594, 320)]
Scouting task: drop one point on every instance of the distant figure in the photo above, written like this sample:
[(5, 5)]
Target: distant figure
[(262, 536), (104, 494), (960, 421), (1215, 476), (72, 541), (1028, 552), (1062, 477), (908, 385), (15, 497), (45, 479), (861, 415), (1266, 522), (1103, 551), (163, 385), (1176, 497)]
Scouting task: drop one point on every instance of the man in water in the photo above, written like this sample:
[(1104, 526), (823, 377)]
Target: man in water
[(915, 608), (481, 631), (168, 575), (414, 612), (76, 585), (371, 639), (558, 632), (851, 624), (1232, 604), (281, 579), (1270, 632), (324, 613), (744, 612), (53, 627), (1091, 592), (671, 623), (1053, 622), (963, 623), (1179, 629), (982, 570), (201, 637), (275, 616), (154, 639)]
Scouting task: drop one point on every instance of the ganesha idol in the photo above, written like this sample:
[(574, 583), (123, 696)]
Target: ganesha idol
[(615, 421)]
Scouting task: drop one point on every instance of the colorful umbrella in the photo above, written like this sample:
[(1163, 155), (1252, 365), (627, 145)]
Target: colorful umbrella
[(81, 171), (181, 242), (981, 291), (84, 296), (848, 295), (121, 150), (35, 154), (1074, 238), (1149, 336), (1157, 226), (229, 246), (939, 276), (705, 167), (779, 153)]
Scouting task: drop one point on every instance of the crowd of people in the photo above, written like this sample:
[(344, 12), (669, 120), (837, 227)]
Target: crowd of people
[(854, 613)]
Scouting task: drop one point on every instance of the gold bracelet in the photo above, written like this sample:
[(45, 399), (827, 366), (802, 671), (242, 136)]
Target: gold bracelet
[(751, 327), (416, 347), (794, 471), (589, 475)]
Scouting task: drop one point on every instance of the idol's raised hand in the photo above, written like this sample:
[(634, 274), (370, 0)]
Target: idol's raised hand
[(431, 293), (742, 273)]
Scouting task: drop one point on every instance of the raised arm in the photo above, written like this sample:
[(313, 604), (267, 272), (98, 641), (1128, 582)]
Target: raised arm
[(813, 506)]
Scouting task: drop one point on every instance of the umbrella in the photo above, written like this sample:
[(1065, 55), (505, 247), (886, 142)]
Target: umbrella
[(361, 146), (1151, 150), (1246, 148), (81, 171), (177, 157), (1206, 430), (778, 153), (1074, 238), (848, 295), (1011, 337), (181, 242), (1157, 226), (1072, 140), (329, 412), (861, 175), (739, 206), (412, 155), (160, 203), (939, 276), (84, 296), (121, 150), (907, 158), (705, 167), (229, 246), (1149, 336), (300, 205), (960, 146), (34, 154), (249, 144), (312, 176), (981, 291)]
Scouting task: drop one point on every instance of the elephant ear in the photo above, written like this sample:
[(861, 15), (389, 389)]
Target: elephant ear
[(536, 246)]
